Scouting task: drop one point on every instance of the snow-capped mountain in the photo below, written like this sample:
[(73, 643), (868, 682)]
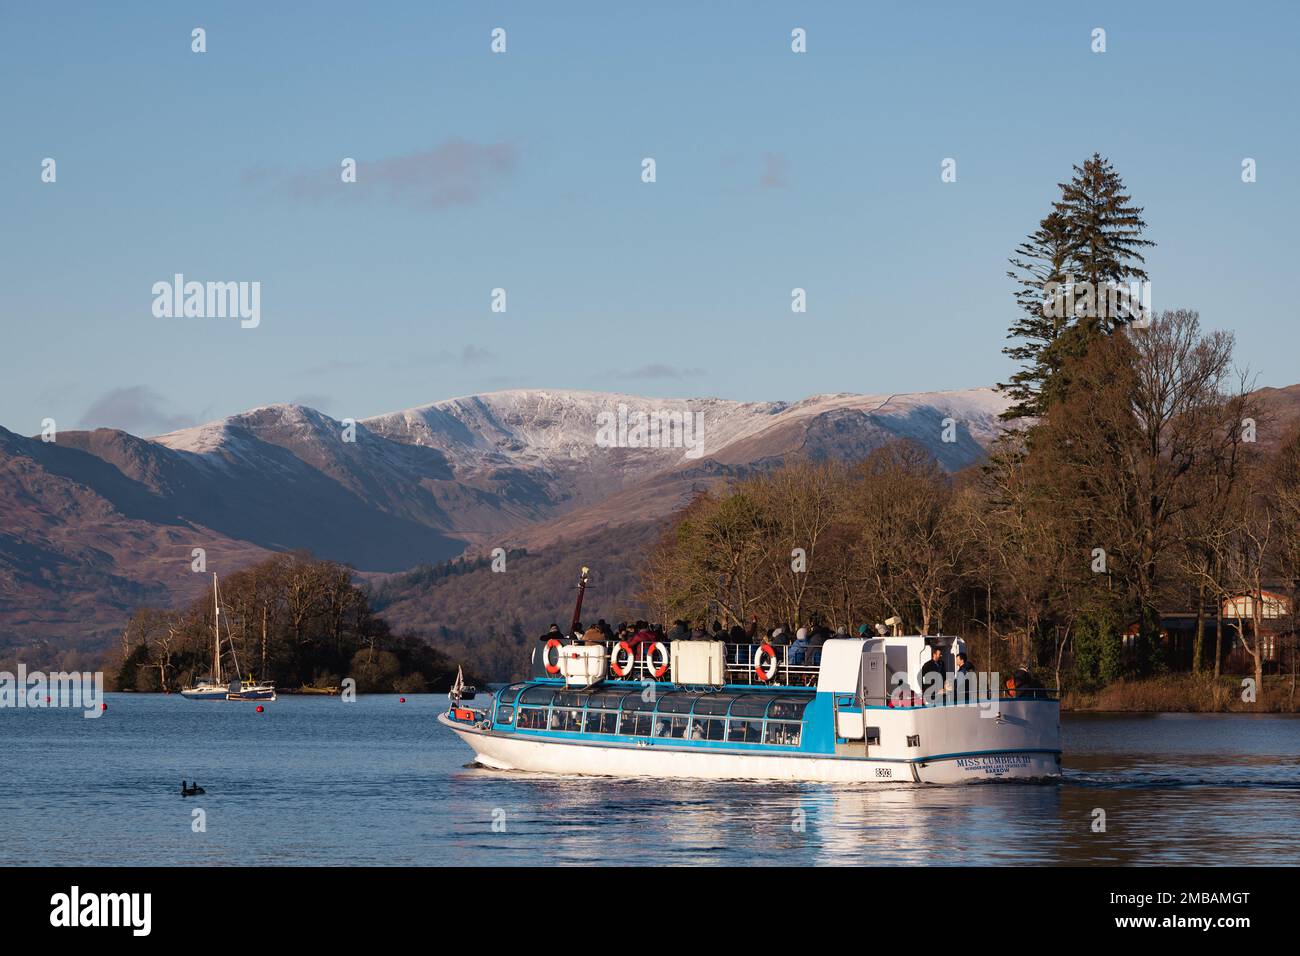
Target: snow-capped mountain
[(102, 520), (540, 427)]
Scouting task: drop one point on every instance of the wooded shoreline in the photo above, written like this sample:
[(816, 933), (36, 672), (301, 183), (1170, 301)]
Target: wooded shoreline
[(1184, 694)]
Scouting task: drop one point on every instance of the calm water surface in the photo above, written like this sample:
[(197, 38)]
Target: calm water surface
[(318, 781)]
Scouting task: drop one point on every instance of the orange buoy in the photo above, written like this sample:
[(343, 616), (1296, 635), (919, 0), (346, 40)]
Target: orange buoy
[(259, 708)]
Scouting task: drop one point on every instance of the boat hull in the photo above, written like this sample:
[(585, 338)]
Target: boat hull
[(513, 751), (224, 694)]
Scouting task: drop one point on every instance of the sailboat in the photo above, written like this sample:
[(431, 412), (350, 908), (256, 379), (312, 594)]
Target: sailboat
[(213, 687)]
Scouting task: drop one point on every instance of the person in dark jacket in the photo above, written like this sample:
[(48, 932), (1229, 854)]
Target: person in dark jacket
[(554, 633), (932, 687), (965, 678)]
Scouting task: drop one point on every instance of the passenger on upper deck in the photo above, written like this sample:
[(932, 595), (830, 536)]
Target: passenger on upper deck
[(642, 635), (554, 632), (799, 648)]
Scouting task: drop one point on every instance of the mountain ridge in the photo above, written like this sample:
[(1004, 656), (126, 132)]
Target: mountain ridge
[(100, 521)]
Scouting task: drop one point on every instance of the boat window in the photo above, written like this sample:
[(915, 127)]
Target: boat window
[(508, 694), (786, 708), (505, 714), (667, 725), (676, 704), (780, 732), (717, 704), (708, 728), (566, 719), (635, 702), (537, 694), (569, 698), (744, 731), (750, 705), (531, 718), (601, 721), (604, 701), (637, 724)]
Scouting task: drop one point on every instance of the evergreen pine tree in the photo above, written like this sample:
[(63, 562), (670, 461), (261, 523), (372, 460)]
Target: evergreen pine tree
[(1094, 236), (1104, 231), (1041, 259)]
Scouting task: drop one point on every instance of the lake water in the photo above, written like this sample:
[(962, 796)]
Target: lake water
[(319, 781)]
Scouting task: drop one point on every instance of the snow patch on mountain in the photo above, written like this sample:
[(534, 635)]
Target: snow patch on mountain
[(538, 427)]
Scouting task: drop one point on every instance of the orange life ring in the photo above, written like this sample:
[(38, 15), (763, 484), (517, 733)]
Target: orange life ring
[(765, 674), (619, 669), (546, 655), (662, 669)]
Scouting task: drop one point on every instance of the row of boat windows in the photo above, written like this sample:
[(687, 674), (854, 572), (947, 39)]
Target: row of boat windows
[(739, 704), (644, 724), (736, 718)]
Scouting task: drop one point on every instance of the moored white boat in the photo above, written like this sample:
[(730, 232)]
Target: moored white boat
[(213, 687)]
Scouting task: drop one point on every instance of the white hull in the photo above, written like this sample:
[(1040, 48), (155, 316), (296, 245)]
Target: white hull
[(214, 692), (653, 759)]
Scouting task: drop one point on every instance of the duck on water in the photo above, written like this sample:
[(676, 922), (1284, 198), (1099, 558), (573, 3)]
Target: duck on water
[(854, 710)]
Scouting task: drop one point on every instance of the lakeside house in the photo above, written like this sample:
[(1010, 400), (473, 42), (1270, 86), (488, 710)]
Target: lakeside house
[(1233, 620)]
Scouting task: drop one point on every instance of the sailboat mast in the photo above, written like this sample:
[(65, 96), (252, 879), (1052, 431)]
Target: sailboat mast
[(216, 632)]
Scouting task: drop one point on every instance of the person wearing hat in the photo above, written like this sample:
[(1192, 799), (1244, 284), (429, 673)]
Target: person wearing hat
[(553, 633), (800, 646)]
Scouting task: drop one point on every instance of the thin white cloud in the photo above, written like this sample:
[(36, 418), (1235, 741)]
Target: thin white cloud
[(137, 409), (456, 173), (661, 370)]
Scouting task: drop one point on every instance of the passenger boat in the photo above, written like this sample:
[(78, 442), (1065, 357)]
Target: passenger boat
[(213, 687), (850, 711)]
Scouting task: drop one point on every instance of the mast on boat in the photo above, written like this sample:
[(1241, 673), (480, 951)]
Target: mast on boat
[(216, 632), (577, 608)]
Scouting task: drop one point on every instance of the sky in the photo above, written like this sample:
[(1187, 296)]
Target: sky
[(522, 171)]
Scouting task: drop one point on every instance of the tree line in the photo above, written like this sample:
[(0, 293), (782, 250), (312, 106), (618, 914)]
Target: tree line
[(293, 620), (1131, 480)]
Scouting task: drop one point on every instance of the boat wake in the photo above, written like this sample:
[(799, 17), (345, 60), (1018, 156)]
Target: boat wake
[(1190, 779)]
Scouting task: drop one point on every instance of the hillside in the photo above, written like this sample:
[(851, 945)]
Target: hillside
[(101, 521)]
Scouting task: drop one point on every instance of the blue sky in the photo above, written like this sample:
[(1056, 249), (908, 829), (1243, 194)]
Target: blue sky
[(522, 171)]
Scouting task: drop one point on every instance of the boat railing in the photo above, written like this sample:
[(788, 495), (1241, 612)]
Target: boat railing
[(741, 664), (905, 697)]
